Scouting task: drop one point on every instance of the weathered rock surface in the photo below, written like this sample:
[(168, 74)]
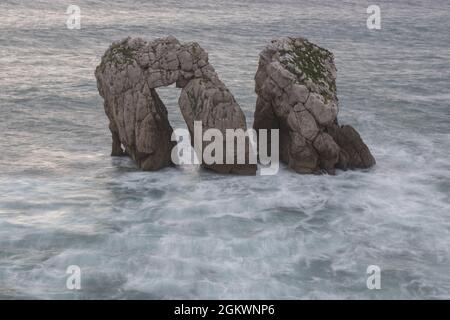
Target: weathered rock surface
[(127, 77), (209, 101), (296, 88)]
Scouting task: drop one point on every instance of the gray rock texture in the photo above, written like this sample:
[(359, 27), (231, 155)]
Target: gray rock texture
[(296, 88), (127, 77)]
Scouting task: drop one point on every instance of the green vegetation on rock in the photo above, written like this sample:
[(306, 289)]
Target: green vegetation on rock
[(308, 60), (119, 54)]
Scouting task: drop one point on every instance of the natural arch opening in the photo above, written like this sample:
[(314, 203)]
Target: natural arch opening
[(170, 95)]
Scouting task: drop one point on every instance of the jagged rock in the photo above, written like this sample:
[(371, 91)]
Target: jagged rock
[(127, 77), (212, 103), (296, 88), (353, 152)]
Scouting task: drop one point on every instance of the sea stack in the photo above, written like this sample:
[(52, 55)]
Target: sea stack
[(127, 78), (296, 88)]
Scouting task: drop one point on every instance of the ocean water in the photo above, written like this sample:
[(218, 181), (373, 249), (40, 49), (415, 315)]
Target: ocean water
[(187, 233)]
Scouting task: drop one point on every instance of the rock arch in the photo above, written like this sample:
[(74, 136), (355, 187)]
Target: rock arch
[(296, 87), (127, 78)]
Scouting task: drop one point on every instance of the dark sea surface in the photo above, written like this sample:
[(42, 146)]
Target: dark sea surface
[(188, 233)]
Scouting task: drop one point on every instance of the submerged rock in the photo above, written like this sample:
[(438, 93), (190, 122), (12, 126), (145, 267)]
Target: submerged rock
[(296, 88), (127, 77)]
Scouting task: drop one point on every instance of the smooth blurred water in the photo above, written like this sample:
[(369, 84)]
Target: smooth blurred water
[(188, 233)]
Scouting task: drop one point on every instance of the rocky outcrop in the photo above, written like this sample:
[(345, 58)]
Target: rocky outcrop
[(296, 88), (209, 101), (127, 78)]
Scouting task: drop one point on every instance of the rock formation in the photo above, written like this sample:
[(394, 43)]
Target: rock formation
[(296, 88), (127, 78)]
